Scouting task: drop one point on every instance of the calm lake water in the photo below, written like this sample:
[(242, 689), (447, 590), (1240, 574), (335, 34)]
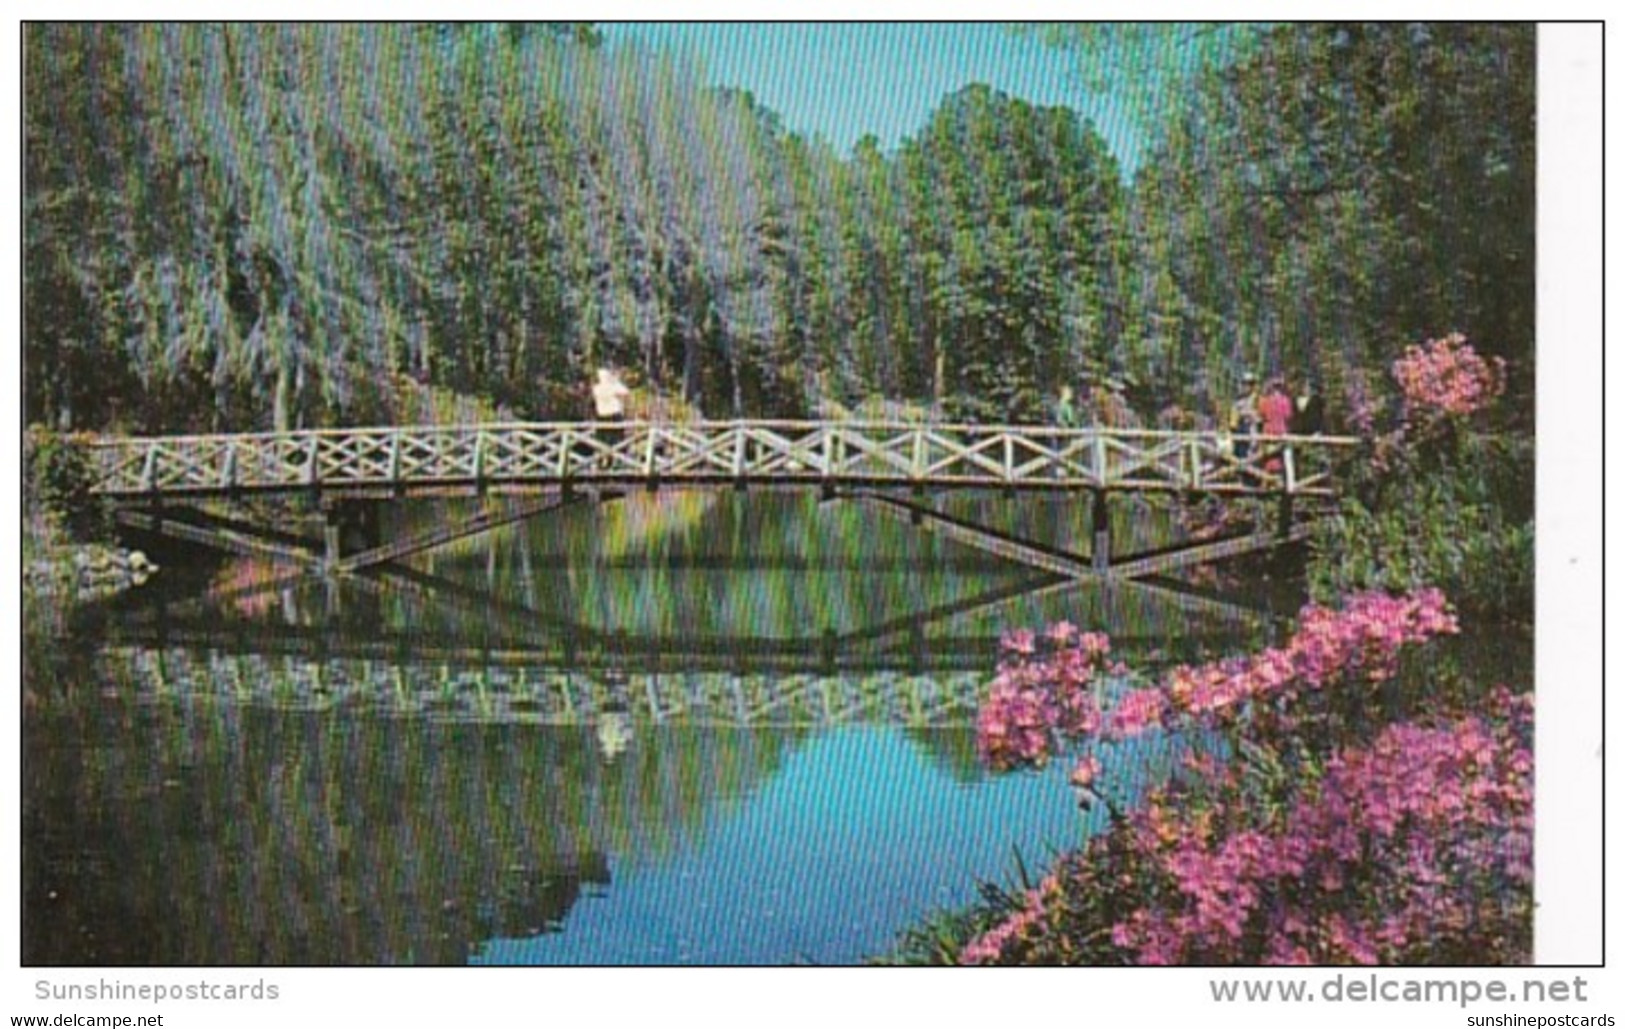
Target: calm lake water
[(685, 728)]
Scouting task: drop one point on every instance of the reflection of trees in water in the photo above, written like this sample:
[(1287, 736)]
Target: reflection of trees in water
[(763, 565), (212, 834), (950, 748), (709, 566)]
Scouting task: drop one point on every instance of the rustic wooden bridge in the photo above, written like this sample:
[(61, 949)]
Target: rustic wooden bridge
[(173, 485)]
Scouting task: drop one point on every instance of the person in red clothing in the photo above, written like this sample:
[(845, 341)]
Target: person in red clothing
[(1275, 412), (1275, 409)]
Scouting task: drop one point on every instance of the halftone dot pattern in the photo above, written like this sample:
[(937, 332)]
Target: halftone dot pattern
[(841, 82)]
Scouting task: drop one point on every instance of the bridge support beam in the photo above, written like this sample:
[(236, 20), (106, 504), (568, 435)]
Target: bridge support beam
[(1036, 555), (233, 537), (348, 524), (1161, 562), (1143, 573), (1197, 602), (486, 520), (350, 532)]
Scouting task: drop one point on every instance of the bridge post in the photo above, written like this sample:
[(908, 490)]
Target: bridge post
[(352, 526), (1283, 517), (1101, 525), (332, 538), (922, 503), (334, 606)]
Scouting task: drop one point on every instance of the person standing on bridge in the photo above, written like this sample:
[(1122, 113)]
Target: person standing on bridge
[(1066, 409), (1066, 419), (609, 395), (1275, 415), (1275, 409), (1308, 419), (1309, 411), (1244, 417)]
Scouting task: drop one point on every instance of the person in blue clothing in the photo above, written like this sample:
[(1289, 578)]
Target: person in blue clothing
[(1066, 409), (1066, 418)]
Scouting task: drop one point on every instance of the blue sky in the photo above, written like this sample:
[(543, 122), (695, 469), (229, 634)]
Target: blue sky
[(841, 81)]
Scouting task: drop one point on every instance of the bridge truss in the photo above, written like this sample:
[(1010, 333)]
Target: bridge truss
[(157, 484)]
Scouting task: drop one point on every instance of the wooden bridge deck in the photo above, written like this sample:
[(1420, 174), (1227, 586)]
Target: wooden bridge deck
[(527, 457)]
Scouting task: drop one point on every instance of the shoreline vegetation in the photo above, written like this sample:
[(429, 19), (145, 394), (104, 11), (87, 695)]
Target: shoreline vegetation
[(1362, 803), (1352, 803), (68, 556)]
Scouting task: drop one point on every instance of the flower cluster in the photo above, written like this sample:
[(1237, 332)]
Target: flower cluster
[(1361, 642), (1046, 689), (1415, 848), (1045, 685), (1027, 923), (1448, 376), (1404, 849), (1414, 845)]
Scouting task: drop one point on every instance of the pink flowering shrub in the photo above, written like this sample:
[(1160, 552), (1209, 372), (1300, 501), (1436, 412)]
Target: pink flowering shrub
[(1325, 837), (1440, 383), (1448, 376), (1027, 922), (1048, 687), (1413, 849), (1444, 496), (1045, 686)]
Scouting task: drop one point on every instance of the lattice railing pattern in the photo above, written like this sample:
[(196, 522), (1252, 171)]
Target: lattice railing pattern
[(833, 453), (497, 693)]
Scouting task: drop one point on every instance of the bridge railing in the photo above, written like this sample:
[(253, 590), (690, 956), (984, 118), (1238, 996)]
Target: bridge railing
[(876, 454)]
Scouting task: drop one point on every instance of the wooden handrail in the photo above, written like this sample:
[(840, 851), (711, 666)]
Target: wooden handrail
[(877, 452), (1035, 430)]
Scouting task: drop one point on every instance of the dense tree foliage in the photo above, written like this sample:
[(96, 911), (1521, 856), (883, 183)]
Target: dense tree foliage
[(1338, 192), (241, 226)]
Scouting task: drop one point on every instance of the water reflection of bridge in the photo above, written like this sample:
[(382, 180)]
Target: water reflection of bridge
[(520, 666), (493, 691), (466, 653), (564, 673)]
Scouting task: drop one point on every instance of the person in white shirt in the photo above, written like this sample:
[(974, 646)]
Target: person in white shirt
[(609, 396)]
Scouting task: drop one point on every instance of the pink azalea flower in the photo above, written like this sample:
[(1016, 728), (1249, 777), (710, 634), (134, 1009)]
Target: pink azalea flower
[(1447, 376)]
